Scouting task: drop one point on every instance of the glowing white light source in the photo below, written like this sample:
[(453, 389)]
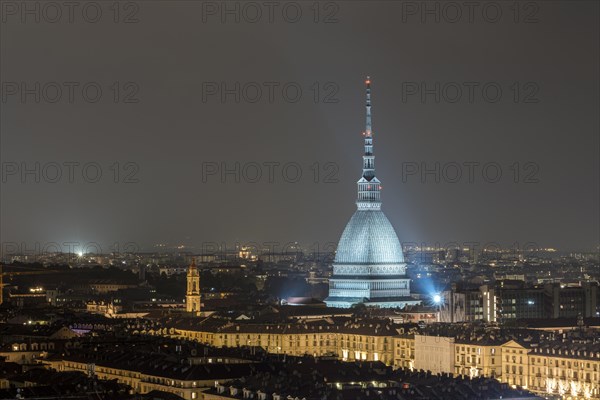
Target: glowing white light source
[(437, 299)]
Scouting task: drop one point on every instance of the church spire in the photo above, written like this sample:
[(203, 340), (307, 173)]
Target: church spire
[(369, 196)]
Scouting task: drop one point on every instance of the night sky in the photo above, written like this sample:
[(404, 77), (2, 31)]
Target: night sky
[(169, 123)]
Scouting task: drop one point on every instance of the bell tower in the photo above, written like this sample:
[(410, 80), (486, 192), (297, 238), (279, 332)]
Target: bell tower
[(192, 296)]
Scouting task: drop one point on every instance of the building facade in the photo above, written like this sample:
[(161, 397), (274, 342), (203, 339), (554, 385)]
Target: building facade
[(504, 304), (545, 363), (434, 353), (344, 338)]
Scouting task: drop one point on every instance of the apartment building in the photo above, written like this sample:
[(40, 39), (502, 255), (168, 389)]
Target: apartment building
[(532, 359)]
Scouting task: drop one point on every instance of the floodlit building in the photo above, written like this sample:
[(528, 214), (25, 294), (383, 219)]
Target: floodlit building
[(369, 266)]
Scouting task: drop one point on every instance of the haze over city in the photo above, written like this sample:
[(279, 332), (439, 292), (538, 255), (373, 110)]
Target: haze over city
[(175, 121)]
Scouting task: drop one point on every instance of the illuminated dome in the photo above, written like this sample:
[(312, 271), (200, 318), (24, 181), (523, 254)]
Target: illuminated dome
[(369, 264), (369, 238)]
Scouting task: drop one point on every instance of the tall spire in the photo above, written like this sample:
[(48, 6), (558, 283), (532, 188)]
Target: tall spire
[(369, 196), (368, 83)]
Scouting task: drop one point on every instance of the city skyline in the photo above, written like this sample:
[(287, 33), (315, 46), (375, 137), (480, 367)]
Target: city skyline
[(317, 200)]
